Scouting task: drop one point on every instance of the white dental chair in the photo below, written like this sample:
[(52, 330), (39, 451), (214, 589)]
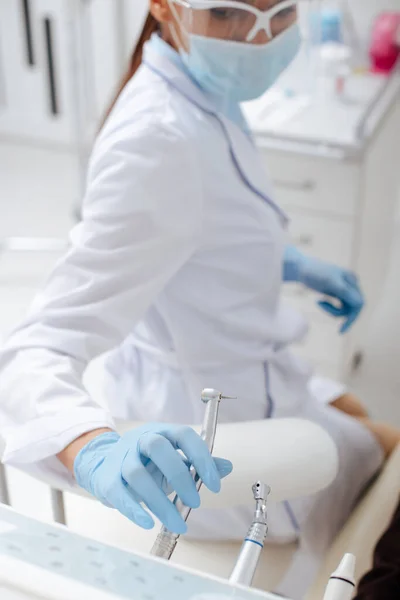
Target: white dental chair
[(280, 452), (289, 474)]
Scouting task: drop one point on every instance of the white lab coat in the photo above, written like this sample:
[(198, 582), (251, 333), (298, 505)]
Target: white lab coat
[(177, 265)]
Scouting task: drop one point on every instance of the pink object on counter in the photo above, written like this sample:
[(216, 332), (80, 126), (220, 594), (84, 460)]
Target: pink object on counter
[(385, 42)]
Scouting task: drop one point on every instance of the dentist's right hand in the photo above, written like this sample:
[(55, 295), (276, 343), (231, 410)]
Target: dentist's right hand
[(143, 467)]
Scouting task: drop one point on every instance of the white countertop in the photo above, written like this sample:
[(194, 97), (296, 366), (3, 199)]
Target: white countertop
[(293, 111)]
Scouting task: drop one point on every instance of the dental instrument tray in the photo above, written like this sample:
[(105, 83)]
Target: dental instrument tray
[(39, 561)]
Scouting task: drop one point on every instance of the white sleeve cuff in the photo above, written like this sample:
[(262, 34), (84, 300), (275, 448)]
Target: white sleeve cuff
[(46, 436), (326, 390)]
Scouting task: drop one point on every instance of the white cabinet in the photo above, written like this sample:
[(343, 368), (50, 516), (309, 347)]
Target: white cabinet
[(328, 236), (59, 62), (35, 67), (342, 210), (321, 186)]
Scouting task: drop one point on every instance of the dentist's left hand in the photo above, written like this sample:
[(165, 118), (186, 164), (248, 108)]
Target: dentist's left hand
[(337, 283), (143, 467), (328, 279)]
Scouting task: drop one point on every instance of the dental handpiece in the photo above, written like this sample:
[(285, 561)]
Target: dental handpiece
[(166, 541), (248, 559)]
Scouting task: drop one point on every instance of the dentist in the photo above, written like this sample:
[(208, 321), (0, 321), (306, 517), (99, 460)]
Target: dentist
[(176, 271)]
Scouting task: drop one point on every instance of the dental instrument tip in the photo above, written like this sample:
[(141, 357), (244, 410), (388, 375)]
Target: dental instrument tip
[(346, 568), (261, 490), (209, 394), (342, 581)]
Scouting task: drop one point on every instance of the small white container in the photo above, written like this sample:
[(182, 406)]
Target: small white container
[(334, 68)]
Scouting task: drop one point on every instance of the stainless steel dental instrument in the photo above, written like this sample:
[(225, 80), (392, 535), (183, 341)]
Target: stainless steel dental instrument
[(166, 541), (248, 559)]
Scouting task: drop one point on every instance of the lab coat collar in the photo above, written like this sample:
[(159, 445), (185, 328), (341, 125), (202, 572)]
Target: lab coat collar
[(179, 79), (226, 106), (241, 145)]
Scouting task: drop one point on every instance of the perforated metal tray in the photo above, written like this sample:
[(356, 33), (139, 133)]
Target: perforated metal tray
[(41, 561)]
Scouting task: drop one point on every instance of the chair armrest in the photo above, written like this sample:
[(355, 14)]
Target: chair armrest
[(280, 452)]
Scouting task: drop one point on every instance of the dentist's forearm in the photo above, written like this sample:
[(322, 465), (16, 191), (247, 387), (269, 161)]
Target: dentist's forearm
[(68, 455)]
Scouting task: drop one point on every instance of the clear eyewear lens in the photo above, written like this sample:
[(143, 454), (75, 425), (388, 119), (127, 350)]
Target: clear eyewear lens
[(284, 18), (237, 21)]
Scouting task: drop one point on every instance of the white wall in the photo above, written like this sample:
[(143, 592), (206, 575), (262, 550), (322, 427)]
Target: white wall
[(364, 12), (135, 13)]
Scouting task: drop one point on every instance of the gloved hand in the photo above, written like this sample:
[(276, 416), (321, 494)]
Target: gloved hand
[(329, 280), (143, 466)]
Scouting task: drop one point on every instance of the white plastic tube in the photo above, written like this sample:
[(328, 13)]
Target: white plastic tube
[(342, 581)]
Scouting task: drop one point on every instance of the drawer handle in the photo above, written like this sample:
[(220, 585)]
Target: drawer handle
[(51, 66), (304, 240), (27, 23), (301, 186)]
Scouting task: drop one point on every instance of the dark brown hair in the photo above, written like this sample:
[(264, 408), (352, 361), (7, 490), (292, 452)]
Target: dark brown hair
[(150, 26)]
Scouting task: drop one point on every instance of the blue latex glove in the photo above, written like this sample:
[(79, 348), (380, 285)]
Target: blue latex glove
[(329, 280), (144, 467), (291, 263)]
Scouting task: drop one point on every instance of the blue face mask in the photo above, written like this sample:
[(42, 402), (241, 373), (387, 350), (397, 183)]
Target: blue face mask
[(240, 71)]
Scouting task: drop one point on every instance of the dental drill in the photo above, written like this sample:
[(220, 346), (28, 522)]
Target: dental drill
[(166, 541), (341, 584), (250, 553)]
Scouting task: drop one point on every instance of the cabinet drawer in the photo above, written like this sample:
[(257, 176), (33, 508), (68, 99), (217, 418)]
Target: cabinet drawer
[(327, 239), (314, 183), (323, 344)]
